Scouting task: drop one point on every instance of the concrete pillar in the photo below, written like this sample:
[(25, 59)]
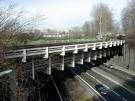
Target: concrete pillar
[(33, 70), (111, 52), (99, 54), (108, 52), (94, 55), (82, 59), (104, 53), (73, 61), (89, 57), (49, 67), (24, 56), (62, 63)]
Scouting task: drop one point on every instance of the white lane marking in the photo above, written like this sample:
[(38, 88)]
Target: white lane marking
[(114, 81), (130, 79), (106, 86), (127, 77), (122, 69), (114, 74), (89, 85), (57, 90)]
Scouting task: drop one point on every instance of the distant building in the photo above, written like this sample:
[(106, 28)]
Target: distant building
[(54, 34)]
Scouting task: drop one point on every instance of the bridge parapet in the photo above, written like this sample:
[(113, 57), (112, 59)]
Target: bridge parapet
[(87, 52), (60, 49)]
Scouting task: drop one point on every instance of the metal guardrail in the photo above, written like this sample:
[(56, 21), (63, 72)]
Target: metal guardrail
[(23, 53)]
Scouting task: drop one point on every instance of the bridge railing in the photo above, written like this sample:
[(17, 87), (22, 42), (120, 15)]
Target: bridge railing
[(57, 49)]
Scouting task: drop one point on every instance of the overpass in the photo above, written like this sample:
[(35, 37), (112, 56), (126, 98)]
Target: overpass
[(57, 57)]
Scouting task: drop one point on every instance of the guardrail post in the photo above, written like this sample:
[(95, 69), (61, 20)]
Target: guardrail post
[(104, 53), (101, 45), (94, 46), (106, 45), (76, 50), (24, 56), (111, 44), (63, 51), (46, 53), (118, 43), (86, 48), (114, 43), (33, 69)]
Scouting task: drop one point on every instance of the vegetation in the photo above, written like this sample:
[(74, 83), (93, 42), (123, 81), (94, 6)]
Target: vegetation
[(77, 93), (128, 23)]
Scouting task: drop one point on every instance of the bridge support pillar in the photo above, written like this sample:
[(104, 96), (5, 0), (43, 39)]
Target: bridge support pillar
[(62, 63), (89, 57), (99, 54), (33, 70), (108, 52), (73, 61), (94, 55), (104, 52), (49, 65), (82, 59)]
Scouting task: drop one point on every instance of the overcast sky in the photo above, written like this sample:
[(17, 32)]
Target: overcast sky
[(64, 14)]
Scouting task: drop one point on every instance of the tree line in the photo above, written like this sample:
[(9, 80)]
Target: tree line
[(14, 25)]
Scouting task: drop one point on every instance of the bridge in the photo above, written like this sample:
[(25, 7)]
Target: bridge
[(57, 57)]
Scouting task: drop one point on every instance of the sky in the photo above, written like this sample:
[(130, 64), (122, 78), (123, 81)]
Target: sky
[(65, 14)]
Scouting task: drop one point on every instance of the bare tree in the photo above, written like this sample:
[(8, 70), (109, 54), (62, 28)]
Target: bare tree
[(14, 25), (103, 19), (89, 28), (128, 23)]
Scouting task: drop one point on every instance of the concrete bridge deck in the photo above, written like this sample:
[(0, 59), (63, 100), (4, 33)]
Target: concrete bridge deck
[(59, 56)]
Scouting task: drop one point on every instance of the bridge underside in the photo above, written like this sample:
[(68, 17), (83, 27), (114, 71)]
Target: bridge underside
[(70, 59)]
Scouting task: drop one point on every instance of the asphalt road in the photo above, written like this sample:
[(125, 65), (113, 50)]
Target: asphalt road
[(88, 77), (124, 94), (128, 80)]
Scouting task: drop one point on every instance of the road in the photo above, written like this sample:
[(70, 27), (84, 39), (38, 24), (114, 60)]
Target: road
[(116, 92), (111, 96), (128, 80)]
